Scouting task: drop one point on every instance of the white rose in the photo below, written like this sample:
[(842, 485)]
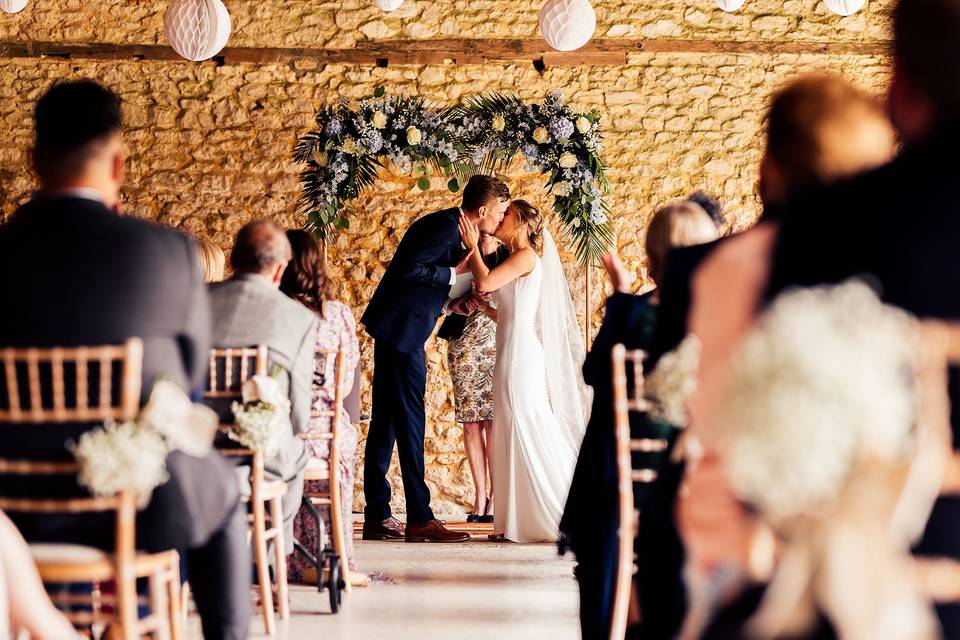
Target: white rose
[(498, 123), (541, 135), (379, 120), (320, 157), (413, 135), (583, 125), (349, 146), (561, 189), (568, 160)]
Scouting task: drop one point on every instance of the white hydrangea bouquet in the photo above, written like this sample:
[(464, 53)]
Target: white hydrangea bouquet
[(673, 381), (820, 436), (261, 415), (131, 456)]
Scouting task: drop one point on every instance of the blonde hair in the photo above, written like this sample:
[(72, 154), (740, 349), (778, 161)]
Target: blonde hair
[(820, 128), (529, 214), (681, 224), (212, 260)]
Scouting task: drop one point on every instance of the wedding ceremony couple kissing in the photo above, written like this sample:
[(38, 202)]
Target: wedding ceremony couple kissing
[(540, 404)]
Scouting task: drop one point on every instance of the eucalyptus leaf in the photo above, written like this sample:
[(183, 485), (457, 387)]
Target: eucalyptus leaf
[(423, 183)]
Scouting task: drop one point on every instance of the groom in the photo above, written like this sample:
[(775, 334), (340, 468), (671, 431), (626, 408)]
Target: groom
[(400, 317)]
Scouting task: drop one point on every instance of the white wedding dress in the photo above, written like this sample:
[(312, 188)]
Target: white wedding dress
[(540, 402)]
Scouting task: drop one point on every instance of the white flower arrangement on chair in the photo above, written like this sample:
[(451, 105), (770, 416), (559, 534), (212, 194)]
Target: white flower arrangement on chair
[(260, 415), (132, 455)]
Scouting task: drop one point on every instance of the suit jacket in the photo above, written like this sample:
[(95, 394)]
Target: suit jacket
[(248, 311), (75, 273), (404, 309), (452, 327)]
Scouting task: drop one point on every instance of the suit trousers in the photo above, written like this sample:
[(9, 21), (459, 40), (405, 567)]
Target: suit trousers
[(219, 576), (399, 384)]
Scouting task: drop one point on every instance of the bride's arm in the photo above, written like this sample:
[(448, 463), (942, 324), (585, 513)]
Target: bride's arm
[(485, 279)]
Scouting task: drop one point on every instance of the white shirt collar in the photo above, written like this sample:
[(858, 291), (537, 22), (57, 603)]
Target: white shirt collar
[(85, 193)]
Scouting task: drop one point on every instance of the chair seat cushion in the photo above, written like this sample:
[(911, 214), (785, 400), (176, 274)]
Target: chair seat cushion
[(46, 553)]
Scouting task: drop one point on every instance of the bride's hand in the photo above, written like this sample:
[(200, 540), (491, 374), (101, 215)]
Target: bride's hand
[(469, 233)]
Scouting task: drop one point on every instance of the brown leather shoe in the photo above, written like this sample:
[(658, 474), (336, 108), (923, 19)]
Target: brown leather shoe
[(434, 531), (389, 529)]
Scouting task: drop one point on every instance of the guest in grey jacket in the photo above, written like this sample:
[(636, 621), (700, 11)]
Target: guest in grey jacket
[(249, 310)]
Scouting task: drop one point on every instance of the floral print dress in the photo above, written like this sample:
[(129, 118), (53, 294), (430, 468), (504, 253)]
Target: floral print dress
[(471, 358), (337, 330)]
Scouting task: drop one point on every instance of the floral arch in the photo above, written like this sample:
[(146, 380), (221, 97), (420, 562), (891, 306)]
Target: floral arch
[(353, 140)]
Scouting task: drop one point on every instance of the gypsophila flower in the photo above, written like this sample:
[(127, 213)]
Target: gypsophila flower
[(121, 457), (822, 382), (560, 128)]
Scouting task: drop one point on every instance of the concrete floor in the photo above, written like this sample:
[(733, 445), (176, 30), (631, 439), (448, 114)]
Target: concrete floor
[(473, 591)]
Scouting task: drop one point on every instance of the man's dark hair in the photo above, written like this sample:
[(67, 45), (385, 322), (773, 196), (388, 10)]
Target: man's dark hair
[(709, 204), (260, 245), (482, 190), (925, 37), (69, 119)]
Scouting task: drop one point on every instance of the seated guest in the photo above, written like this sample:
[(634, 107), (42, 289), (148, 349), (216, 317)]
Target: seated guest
[(212, 260), (248, 310), (820, 130), (306, 281), (590, 519), (87, 276)]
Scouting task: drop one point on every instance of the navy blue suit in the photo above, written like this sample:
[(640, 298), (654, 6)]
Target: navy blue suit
[(400, 317)]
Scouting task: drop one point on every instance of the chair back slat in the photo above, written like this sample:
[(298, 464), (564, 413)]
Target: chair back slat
[(234, 359), (625, 402), (75, 407)]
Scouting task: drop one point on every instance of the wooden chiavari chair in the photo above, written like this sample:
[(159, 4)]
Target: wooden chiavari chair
[(229, 369), (319, 470), (627, 399), (78, 397)]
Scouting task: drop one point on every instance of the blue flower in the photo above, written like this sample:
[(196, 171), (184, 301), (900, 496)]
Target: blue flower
[(333, 128), (372, 141), (560, 128), (531, 151)]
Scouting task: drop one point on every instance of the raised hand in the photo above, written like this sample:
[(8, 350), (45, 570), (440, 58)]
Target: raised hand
[(469, 233), (620, 278)]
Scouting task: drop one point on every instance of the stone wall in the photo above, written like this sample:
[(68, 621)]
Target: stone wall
[(210, 145)]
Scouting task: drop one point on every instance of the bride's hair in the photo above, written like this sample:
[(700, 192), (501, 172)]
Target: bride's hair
[(529, 214)]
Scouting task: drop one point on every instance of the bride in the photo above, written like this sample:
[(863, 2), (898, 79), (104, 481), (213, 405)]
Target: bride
[(540, 402)]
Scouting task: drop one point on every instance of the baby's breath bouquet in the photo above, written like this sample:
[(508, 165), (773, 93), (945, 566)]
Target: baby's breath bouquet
[(131, 456), (673, 381), (261, 415)]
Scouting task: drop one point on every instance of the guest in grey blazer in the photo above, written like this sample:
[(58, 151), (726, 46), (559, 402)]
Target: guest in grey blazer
[(249, 310)]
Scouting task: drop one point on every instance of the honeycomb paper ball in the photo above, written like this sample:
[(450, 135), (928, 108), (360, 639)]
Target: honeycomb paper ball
[(567, 24), (197, 29), (13, 6), (844, 7), (730, 5), (388, 5)]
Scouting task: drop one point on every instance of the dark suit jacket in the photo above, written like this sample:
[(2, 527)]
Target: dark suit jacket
[(898, 227), (452, 327), (74, 273), (404, 309)]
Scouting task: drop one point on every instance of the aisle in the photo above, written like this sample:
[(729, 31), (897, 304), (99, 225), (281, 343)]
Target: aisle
[(472, 591)]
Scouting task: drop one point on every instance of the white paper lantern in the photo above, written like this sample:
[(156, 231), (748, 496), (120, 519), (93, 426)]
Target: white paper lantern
[(388, 5), (13, 6), (844, 7), (730, 5), (567, 24), (197, 29)]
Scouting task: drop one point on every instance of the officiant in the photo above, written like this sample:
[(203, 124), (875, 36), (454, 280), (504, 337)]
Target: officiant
[(471, 356)]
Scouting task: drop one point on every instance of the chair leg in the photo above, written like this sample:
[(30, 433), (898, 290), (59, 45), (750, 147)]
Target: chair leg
[(263, 568), (336, 530), (175, 611), (158, 605), (280, 559)]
